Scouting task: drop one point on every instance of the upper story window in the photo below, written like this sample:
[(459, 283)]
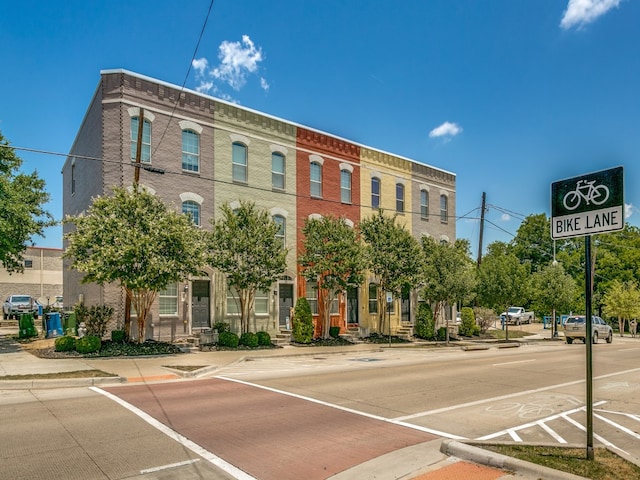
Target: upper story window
[(28, 263), (73, 179), (282, 231), (424, 204), (375, 192), (315, 177), (399, 198), (168, 299), (239, 163), (373, 298), (190, 151), (277, 170), (312, 296), (145, 153), (192, 209), (345, 186), (444, 208)]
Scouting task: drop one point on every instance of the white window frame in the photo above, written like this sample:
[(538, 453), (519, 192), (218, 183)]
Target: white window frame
[(400, 198), (240, 167), (169, 294), (317, 183), (278, 175), (424, 204), (191, 159)]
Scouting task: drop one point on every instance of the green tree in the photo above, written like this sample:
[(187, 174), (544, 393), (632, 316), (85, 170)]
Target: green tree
[(302, 322), (449, 273), (243, 245), (133, 238), (468, 325), (425, 325), (22, 214), (553, 290), (533, 243), (502, 281), (622, 301), (332, 255), (393, 255)]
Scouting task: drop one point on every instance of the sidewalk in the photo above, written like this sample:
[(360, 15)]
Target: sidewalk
[(436, 460)]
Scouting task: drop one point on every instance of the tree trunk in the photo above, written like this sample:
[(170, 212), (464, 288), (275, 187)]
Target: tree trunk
[(621, 326)]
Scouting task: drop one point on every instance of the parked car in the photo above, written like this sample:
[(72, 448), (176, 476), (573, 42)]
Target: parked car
[(517, 315), (15, 305), (575, 328)]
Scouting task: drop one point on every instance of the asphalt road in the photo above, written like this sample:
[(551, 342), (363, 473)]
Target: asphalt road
[(310, 417)]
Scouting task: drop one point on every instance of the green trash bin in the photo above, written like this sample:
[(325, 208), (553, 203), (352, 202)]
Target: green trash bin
[(70, 324), (27, 327)]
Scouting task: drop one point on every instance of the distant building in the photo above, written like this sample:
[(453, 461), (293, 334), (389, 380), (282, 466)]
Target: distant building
[(214, 152), (42, 277)]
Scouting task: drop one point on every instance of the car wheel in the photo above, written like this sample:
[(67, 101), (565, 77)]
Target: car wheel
[(569, 340), (4, 316), (594, 338), (610, 337)]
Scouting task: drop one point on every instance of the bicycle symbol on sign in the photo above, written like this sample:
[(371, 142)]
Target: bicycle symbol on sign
[(587, 191)]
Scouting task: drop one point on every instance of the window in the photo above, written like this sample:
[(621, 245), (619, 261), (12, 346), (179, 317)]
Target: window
[(444, 214), (281, 233), (192, 209), (373, 298), (334, 308), (73, 179), (375, 192), (399, 198), (316, 179), (261, 301), (239, 163), (345, 186), (233, 302), (190, 151), (312, 296), (169, 300), (145, 153), (28, 263), (277, 170), (424, 205)]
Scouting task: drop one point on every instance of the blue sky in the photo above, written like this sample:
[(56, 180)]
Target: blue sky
[(509, 95)]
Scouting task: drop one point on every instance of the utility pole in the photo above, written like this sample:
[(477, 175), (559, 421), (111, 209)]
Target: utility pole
[(484, 201)]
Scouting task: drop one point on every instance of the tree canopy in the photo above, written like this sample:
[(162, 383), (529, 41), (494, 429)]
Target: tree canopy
[(135, 239), (22, 212), (332, 255), (622, 301), (243, 246)]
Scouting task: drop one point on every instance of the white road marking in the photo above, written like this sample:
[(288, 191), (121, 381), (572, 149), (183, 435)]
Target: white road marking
[(167, 467), (595, 435), (552, 432), (194, 447), (513, 363), (618, 426)]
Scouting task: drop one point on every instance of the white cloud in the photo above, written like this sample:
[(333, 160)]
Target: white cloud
[(581, 12), (447, 129), (238, 60), (505, 217), (629, 210)]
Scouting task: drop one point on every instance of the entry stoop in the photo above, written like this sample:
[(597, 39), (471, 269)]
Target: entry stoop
[(405, 332), (282, 338)]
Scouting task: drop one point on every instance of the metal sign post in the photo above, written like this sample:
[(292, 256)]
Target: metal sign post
[(389, 300), (580, 207)]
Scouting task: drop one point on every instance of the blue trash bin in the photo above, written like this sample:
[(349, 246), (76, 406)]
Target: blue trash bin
[(53, 325), (39, 311)]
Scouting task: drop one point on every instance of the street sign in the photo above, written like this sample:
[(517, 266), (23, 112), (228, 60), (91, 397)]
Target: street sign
[(389, 297), (590, 203)]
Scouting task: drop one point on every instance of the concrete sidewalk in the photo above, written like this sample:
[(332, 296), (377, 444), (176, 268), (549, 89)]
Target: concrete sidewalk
[(436, 460)]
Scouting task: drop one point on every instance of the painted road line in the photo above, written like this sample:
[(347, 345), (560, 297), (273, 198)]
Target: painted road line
[(595, 435), (552, 432), (618, 426), (510, 395), (169, 466), (194, 447), (513, 363)]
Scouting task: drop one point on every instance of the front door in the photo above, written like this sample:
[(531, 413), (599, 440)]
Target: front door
[(285, 303), (352, 306), (405, 308), (200, 304)]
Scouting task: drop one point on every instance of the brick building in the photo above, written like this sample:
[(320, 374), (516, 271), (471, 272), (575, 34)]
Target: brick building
[(214, 152)]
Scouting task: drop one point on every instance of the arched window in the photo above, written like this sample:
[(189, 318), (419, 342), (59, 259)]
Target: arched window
[(399, 198), (277, 170), (239, 163), (192, 209), (315, 179), (375, 192), (145, 152), (424, 204), (282, 231), (345, 186), (444, 208), (190, 151)]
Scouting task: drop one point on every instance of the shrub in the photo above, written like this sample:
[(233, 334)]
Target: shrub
[(221, 327), (117, 335), (264, 339), (302, 322), (468, 325), (88, 344), (442, 334), (65, 344), (249, 339), (334, 332), (95, 318), (228, 339), (486, 318), (425, 326)]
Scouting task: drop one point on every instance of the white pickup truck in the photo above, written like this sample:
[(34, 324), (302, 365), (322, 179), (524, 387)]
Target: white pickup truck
[(517, 316), (15, 305)]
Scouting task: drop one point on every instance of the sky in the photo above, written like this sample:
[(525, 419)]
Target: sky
[(510, 95)]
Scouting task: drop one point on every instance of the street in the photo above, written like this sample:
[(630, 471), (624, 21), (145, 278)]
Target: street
[(314, 416)]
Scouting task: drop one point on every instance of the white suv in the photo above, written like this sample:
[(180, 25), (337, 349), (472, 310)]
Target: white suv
[(575, 327)]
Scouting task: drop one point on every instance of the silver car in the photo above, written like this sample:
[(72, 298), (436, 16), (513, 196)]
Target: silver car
[(575, 328)]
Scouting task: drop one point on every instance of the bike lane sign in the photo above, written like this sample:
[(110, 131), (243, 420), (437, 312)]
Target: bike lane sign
[(590, 203)]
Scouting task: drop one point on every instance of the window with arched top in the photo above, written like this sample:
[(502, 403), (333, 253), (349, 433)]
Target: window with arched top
[(375, 192), (399, 198), (345, 186), (315, 179), (190, 151), (239, 163), (192, 209), (424, 204), (145, 151), (444, 209), (277, 170)]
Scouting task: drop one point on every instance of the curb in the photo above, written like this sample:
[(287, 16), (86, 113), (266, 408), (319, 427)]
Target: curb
[(485, 457), (41, 383)]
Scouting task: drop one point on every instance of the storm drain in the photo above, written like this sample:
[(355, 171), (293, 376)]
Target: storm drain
[(366, 359)]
